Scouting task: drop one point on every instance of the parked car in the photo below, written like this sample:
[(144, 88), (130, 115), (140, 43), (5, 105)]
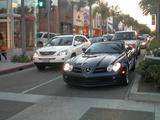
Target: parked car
[(96, 39), (143, 42), (147, 36), (103, 63), (130, 39), (108, 37), (59, 49), (42, 38)]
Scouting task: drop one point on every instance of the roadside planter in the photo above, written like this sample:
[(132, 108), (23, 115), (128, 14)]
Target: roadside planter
[(149, 68)]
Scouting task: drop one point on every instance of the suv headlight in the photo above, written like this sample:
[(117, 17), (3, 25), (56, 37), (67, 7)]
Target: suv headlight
[(64, 52), (36, 54), (67, 67), (114, 67)]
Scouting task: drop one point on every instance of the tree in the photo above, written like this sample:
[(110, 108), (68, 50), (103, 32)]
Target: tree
[(143, 29), (89, 3), (152, 7), (103, 10)]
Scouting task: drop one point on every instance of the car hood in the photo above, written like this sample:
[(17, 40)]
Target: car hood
[(54, 48), (97, 60)]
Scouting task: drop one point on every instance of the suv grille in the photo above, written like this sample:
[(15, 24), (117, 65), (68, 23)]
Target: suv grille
[(47, 53)]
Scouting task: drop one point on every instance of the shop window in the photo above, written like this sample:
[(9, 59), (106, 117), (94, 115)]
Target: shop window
[(3, 6)]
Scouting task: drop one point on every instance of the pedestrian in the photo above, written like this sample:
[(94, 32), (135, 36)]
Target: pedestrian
[(2, 47)]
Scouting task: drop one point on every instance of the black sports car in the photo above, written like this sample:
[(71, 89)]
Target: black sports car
[(103, 63)]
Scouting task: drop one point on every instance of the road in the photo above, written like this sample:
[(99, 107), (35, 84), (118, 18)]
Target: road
[(17, 86)]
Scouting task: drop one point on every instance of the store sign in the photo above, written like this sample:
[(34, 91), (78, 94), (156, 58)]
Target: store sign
[(78, 17)]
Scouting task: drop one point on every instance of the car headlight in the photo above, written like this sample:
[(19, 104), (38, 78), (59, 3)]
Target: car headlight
[(114, 67), (36, 54), (143, 43), (68, 67), (64, 52)]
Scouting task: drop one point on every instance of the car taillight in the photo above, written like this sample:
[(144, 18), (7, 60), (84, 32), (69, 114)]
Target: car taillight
[(132, 45)]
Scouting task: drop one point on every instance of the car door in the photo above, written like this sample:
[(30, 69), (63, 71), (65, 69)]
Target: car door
[(78, 44), (131, 58)]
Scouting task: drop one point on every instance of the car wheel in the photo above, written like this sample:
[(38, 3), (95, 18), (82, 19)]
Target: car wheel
[(39, 44), (73, 55), (126, 79), (134, 65), (65, 79), (40, 67), (139, 52)]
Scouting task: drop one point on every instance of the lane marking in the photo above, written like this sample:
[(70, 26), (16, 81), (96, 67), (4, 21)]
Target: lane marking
[(40, 85), (21, 97)]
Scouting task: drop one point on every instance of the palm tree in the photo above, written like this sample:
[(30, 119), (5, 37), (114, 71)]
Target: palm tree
[(115, 11), (152, 7), (104, 11), (89, 3)]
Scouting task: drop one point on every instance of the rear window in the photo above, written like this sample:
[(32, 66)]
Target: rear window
[(125, 36)]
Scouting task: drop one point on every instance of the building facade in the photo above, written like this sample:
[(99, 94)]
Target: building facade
[(10, 22), (42, 19)]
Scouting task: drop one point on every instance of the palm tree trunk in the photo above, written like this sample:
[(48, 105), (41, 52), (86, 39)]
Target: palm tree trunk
[(23, 29), (90, 21), (158, 21)]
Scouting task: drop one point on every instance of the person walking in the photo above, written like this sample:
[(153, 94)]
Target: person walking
[(2, 47)]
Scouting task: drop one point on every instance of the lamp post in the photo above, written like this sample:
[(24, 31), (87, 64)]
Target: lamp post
[(73, 2), (23, 28), (48, 17)]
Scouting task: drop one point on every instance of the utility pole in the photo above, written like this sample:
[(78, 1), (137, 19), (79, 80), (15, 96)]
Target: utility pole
[(23, 28), (158, 21), (48, 17)]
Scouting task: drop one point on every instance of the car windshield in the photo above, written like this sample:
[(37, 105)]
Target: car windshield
[(124, 36), (60, 41), (99, 48)]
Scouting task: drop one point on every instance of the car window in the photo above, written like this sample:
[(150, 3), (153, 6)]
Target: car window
[(45, 35), (106, 48), (78, 40), (124, 36), (52, 35), (83, 39), (60, 41), (39, 35)]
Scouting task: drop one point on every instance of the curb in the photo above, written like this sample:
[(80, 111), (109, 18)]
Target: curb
[(16, 68), (142, 96)]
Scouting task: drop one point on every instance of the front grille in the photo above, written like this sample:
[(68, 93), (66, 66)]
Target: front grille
[(99, 70), (77, 69), (47, 53)]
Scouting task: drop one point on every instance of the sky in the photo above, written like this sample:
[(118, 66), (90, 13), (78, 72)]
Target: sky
[(132, 8)]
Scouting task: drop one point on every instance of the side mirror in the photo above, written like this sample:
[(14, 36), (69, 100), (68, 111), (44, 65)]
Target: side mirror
[(83, 50), (128, 48)]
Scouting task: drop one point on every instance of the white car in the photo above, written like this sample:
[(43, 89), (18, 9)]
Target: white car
[(42, 38), (59, 49)]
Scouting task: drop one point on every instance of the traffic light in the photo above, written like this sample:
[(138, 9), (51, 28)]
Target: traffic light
[(51, 4), (41, 3)]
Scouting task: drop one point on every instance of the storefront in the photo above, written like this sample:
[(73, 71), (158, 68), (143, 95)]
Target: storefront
[(10, 22)]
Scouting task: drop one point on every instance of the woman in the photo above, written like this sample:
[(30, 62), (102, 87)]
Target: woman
[(2, 47)]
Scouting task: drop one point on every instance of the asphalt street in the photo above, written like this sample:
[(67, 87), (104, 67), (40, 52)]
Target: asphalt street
[(25, 88)]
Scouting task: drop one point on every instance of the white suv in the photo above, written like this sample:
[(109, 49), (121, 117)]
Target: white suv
[(59, 49)]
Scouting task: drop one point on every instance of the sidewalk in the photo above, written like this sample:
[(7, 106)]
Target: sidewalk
[(6, 66)]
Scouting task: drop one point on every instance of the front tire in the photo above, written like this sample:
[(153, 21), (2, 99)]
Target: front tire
[(126, 79), (134, 65), (40, 67)]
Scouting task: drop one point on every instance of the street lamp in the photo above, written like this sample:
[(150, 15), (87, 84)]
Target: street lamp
[(73, 2)]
